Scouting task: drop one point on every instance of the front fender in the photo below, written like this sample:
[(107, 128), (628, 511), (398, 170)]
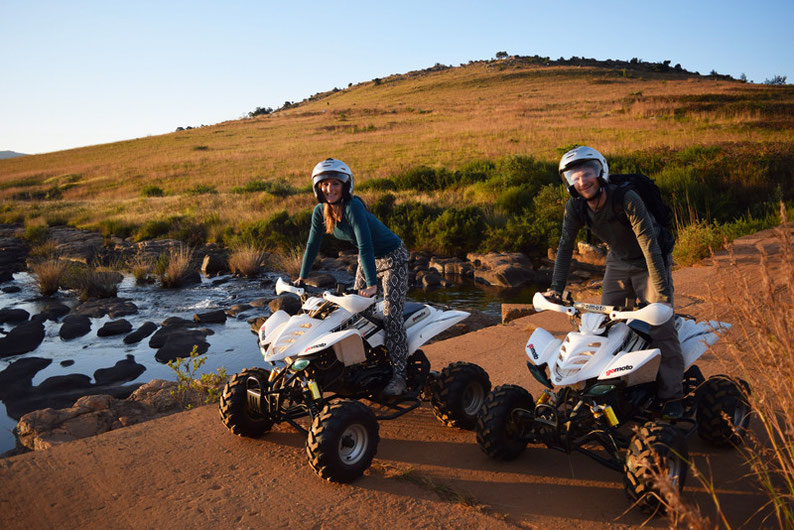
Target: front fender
[(541, 346), (426, 329)]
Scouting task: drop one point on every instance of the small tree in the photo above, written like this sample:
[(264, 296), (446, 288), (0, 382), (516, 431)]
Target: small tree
[(501, 55), (777, 80), (260, 111)]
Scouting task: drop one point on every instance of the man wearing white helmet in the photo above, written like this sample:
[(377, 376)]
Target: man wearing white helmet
[(381, 255), (635, 265)]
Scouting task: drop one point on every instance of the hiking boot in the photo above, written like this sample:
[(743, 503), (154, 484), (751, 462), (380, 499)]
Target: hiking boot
[(396, 387), (673, 410)]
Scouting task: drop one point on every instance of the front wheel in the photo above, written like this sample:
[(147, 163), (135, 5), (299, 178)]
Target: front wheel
[(342, 441), (723, 412), (656, 460), (504, 422), (458, 394), (237, 411)]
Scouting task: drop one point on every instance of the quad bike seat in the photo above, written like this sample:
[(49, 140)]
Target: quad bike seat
[(410, 308)]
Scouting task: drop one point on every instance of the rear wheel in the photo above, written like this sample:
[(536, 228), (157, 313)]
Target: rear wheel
[(504, 421), (656, 460), (342, 441), (237, 411), (723, 412), (459, 393)]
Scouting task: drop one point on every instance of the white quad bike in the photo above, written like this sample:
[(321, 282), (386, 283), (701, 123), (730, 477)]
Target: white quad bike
[(601, 383), (321, 361)]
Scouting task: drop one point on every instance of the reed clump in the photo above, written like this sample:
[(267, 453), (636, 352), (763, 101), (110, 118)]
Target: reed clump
[(175, 267), (49, 274), (246, 260)]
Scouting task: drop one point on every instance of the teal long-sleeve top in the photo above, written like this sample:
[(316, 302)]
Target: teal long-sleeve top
[(361, 228)]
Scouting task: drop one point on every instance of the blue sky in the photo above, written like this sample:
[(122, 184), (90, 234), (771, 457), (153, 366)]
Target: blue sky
[(78, 73)]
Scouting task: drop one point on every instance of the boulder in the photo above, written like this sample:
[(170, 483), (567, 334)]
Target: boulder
[(493, 260), (320, 279), (121, 372), (235, 310), (210, 317), (54, 310), (146, 329), (288, 303), (67, 362), (592, 254), (74, 326), (180, 343), (63, 383), (24, 338), (13, 315), (431, 279), (178, 322), (260, 302), (214, 264), (76, 245), (114, 327), (505, 275), (11, 289), (256, 323)]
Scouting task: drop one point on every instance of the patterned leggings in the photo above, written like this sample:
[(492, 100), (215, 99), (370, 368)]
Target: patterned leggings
[(392, 270)]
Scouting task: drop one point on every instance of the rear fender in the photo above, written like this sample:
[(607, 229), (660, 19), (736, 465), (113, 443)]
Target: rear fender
[(431, 326), (541, 346), (634, 368), (696, 337), (347, 345)]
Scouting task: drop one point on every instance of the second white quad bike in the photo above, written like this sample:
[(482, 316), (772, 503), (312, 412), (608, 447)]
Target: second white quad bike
[(600, 397), (320, 362)]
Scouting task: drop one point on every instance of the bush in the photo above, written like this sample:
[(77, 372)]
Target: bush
[(246, 260), (514, 200), (454, 231), (115, 227), (201, 189), (153, 229), (175, 266), (36, 234), (152, 191)]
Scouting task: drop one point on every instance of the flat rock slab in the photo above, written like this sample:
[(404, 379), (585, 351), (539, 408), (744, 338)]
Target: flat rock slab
[(113, 307), (210, 317), (114, 327), (74, 326)]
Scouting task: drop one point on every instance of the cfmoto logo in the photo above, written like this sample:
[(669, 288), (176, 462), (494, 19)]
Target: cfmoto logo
[(620, 369)]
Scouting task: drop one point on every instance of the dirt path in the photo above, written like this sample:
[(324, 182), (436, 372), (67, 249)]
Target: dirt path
[(188, 471)]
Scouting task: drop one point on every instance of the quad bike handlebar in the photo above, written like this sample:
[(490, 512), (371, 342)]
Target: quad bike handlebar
[(654, 314)]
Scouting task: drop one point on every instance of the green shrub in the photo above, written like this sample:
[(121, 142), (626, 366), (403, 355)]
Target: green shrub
[(152, 191), (153, 229), (201, 189), (514, 200), (455, 231), (116, 227), (383, 184), (36, 234)]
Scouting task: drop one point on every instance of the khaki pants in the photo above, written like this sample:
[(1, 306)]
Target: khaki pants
[(622, 281)]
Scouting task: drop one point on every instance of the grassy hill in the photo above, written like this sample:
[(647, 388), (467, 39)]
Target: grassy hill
[(491, 115)]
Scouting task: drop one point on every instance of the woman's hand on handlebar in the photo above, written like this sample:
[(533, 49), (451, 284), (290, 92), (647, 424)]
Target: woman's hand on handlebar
[(369, 292), (552, 294)]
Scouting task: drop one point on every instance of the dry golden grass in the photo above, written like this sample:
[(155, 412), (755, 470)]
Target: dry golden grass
[(176, 266), (446, 118), (246, 260), (49, 274), (288, 261)]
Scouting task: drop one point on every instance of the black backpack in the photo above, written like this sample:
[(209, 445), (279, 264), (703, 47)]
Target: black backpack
[(649, 192)]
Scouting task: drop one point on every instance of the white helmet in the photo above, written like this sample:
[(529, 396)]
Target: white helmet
[(331, 168), (580, 156)]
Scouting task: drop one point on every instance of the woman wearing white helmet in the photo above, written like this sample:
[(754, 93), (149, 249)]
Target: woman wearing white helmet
[(381, 255)]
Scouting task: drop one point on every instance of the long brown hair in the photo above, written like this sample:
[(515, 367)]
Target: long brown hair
[(332, 214)]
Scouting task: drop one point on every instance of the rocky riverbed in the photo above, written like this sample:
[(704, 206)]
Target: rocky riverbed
[(56, 349)]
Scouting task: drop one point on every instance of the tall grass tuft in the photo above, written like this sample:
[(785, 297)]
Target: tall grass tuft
[(763, 353), (49, 274), (759, 350), (141, 268), (91, 282), (288, 261), (175, 267), (246, 260)]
